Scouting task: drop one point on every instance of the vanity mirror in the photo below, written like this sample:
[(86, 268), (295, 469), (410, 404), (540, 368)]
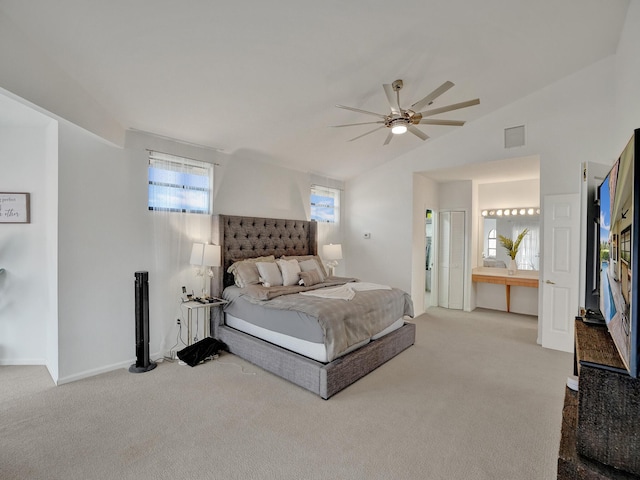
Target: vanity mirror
[(492, 225)]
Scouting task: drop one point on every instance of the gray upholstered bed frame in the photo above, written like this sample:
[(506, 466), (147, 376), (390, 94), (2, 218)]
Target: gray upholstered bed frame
[(247, 237)]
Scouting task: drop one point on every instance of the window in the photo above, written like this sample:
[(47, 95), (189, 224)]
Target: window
[(625, 245), (178, 184), (492, 243), (325, 204)]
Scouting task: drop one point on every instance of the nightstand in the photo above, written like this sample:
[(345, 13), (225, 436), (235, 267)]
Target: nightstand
[(204, 307)]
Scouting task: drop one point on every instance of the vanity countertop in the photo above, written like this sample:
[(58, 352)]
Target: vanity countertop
[(502, 272)]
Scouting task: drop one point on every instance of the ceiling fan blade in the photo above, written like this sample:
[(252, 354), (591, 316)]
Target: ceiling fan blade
[(360, 136), (448, 108), (432, 96), (361, 111), (352, 124), (417, 132), (391, 97), (389, 137), (450, 123)]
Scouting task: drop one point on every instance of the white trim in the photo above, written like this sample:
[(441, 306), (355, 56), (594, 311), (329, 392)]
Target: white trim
[(97, 371), (22, 361)]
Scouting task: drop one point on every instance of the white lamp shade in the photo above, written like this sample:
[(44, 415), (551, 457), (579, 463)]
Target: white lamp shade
[(332, 252), (211, 257), (196, 254)]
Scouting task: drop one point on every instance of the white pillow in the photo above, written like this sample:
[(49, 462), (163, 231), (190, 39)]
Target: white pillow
[(311, 265), (270, 275), (290, 272)]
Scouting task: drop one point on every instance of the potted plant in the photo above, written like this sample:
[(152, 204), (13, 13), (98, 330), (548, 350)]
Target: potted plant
[(511, 246)]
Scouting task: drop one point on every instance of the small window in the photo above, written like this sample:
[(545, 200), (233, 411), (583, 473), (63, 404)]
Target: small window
[(492, 243), (625, 245), (178, 184), (325, 204)]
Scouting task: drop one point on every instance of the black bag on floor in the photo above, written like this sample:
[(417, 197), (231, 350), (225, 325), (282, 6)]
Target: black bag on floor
[(199, 351)]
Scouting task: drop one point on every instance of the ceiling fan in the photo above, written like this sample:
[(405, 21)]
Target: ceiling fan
[(401, 120)]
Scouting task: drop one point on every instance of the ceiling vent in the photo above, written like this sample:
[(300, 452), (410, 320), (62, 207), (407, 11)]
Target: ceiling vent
[(514, 137)]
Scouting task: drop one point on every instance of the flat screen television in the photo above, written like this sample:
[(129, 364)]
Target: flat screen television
[(619, 252)]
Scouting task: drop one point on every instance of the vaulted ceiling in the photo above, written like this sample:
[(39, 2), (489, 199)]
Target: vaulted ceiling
[(262, 78)]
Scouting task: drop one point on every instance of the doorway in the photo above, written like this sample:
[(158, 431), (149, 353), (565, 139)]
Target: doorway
[(428, 261)]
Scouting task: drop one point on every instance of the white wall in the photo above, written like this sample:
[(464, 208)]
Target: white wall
[(626, 82), (28, 287), (103, 240), (519, 193), (51, 267), (378, 206)]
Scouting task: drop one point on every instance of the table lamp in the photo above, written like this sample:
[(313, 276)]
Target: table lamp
[(332, 253)]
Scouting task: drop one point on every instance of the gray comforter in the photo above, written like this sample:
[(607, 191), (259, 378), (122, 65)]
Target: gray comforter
[(344, 323)]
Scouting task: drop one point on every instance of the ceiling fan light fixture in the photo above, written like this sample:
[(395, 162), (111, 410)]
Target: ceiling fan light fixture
[(401, 120), (399, 129)]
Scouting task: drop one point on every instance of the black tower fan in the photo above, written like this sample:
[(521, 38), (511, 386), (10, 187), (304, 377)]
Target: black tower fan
[(143, 364)]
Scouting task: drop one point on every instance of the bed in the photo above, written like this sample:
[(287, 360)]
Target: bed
[(251, 328)]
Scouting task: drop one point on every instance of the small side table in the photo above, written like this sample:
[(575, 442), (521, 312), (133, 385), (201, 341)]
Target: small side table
[(193, 305)]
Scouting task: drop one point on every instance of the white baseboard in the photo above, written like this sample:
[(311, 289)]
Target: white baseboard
[(97, 371), (22, 361)]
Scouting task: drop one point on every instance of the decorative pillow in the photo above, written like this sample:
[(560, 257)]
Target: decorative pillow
[(270, 275), (310, 278), (302, 258), (245, 271), (290, 271), (311, 265)]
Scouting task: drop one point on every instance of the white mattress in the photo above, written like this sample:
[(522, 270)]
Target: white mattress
[(315, 351)]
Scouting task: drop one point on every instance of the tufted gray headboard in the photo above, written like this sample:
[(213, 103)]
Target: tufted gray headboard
[(248, 237)]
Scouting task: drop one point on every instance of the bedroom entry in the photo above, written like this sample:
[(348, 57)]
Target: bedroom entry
[(451, 240)]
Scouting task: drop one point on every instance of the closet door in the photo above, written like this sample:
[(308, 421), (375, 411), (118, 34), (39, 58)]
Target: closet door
[(443, 259), (456, 261), (451, 260)]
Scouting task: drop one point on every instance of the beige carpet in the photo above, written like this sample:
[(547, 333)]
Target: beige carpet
[(474, 398)]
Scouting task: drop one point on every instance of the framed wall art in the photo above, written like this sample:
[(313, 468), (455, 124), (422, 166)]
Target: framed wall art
[(14, 208)]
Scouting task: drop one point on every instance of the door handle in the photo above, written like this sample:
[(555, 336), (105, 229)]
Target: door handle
[(550, 282)]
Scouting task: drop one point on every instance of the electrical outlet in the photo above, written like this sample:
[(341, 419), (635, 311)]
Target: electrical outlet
[(367, 235), (177, 321)]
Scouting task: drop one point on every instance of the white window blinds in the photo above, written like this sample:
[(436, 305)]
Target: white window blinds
[(178, 184), (325, 204)]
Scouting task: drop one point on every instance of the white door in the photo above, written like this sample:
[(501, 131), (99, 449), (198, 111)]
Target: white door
[(444, 234), (451, 256), (456, 262), (561, 270)]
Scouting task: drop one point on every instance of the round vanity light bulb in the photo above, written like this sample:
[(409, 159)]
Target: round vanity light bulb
[(399, 129), (499, 213), (485, 213), (507, 212), (530, 211)]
